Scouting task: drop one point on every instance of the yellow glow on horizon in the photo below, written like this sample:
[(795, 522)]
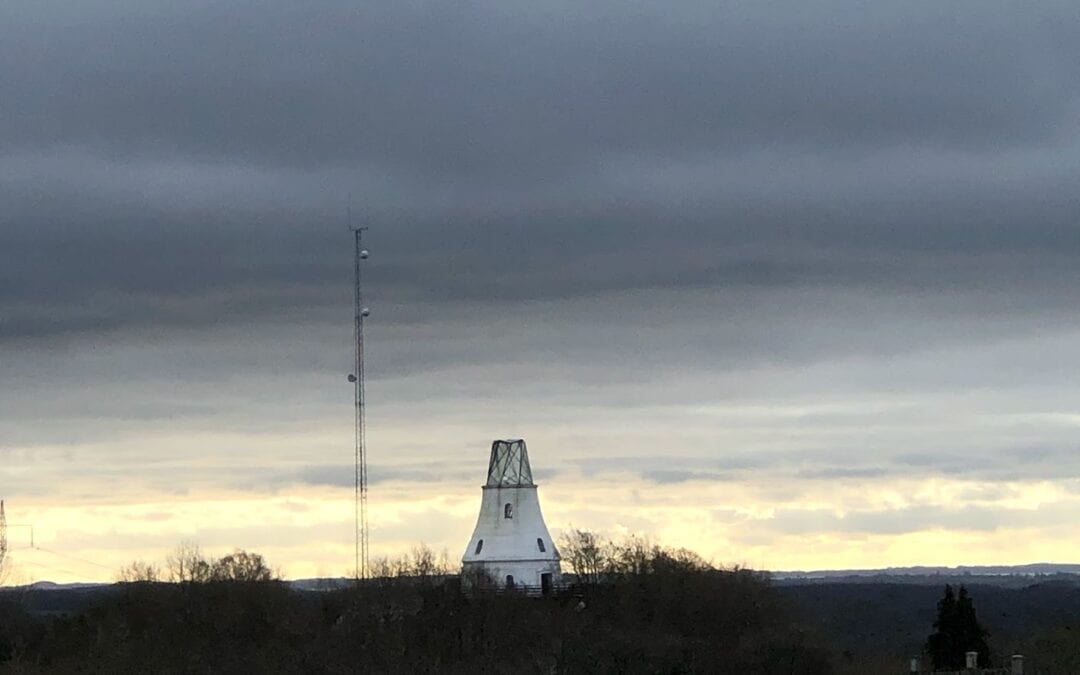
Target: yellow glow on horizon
[(308, 531)]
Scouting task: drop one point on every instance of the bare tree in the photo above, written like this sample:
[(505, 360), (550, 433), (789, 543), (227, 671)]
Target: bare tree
[(382, 567), (678, 560), (422, 561), (138, 570), (187, 564), (241, 565), (589, 556), (634, 555), (585, 553)]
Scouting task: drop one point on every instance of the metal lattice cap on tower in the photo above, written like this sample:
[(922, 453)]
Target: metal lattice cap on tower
[(509, 465), (511, 546)]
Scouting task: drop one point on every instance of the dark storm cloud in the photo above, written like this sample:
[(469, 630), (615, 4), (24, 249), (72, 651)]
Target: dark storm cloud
[(161, 163), (608, 195), (486, 88)]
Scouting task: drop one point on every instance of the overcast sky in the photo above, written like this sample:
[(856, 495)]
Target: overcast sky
[(796, 285)]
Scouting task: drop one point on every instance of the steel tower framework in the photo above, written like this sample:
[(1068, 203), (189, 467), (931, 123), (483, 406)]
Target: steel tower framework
[(360, 479)]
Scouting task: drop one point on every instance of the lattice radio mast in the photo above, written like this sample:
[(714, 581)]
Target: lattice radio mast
[(357, 378)]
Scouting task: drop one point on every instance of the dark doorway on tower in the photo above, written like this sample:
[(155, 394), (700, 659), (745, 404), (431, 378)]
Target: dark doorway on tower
[(545, 583), (509, 580)]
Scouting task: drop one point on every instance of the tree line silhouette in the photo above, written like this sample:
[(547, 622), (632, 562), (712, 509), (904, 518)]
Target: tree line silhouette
[(663, 611), (630, 606)]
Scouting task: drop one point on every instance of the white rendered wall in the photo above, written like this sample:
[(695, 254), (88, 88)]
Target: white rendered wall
[(510, 546)]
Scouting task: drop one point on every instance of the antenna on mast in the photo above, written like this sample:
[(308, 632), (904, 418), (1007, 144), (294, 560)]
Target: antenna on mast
[(357, 378)]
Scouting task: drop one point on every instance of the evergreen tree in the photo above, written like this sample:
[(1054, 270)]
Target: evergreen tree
[(940, 645), (972, 636), (956, 632)]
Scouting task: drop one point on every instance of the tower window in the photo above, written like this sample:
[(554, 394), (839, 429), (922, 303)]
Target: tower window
[(540, 545), (479, 547), (508, 510)]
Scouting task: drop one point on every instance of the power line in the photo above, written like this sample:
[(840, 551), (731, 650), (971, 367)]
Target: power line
[(74, 557), (30, 527), (50, 567)]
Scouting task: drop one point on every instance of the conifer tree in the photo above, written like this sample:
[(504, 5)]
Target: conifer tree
[(956, 632), (972, 636)]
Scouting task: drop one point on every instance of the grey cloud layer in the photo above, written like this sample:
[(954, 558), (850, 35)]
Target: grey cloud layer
[(489, 88), (518, 151), (593, 207)]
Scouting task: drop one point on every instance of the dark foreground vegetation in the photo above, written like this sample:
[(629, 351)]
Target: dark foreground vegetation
[(672, 614), (634, 608), (877, 627)]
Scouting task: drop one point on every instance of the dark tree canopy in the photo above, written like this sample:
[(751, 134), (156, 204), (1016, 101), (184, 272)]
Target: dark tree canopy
[(956, 632), (675, 615)]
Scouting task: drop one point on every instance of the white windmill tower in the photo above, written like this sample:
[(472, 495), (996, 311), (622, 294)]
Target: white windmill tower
[(511, 545)]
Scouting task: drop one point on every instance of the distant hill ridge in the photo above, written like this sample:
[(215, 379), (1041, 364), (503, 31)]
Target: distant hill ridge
[(885, 573), (1032, 569)]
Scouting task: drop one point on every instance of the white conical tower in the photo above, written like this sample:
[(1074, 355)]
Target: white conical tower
[(511, 545)]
